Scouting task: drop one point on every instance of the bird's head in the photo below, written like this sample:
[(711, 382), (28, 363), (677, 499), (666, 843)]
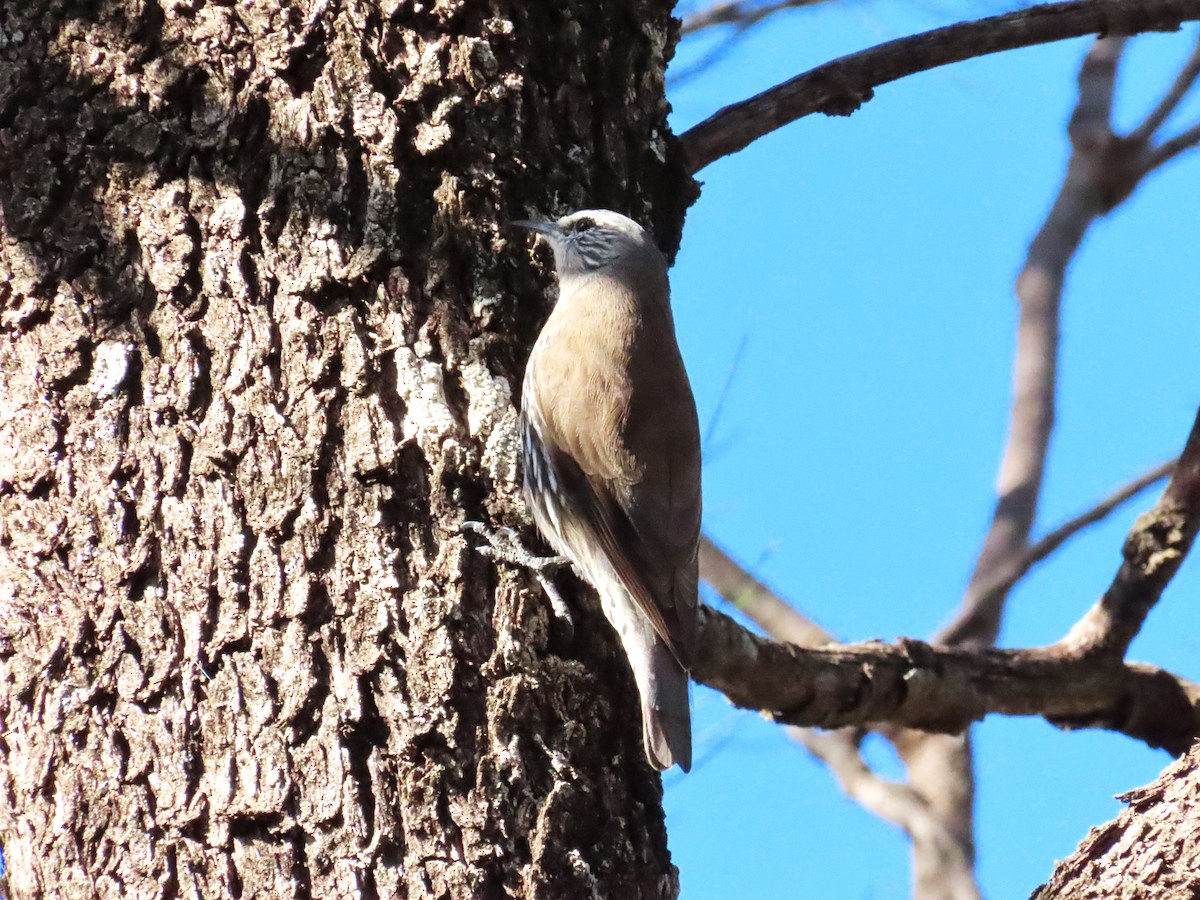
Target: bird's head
[(594, 239)]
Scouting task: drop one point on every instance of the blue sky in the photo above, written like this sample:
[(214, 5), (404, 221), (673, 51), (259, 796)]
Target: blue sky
[(866, 265)]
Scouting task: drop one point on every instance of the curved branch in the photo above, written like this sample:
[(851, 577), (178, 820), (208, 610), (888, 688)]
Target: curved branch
[(843, 85), (1081, 681), (914, 685)]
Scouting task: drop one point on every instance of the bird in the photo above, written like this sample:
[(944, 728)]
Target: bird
[(610, 447)]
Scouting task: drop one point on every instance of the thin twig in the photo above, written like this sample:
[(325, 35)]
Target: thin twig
[(779, 619), (1004, 580), (722, 399), (1068, 529), (1169, 149), (841, 86), (1171, 99), (738, 13), (710, 58)]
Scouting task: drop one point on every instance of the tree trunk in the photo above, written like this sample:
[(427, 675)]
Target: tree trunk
[(262, 331), (1149, 852)]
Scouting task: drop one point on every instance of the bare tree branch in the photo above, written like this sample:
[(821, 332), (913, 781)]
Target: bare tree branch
[(896, 803), (942, 854), (1080, 200), (1153, 551), (939, 857), (739, 13), (1079, 682), (779, 619), (915, 685), (786, 624), (1146, 703), (1007, 575), (942, 845), (1170, 101), (1169, 149), (942, 767), (841, 86)]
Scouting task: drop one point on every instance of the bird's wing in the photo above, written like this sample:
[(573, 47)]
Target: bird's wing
[(637, 495), (592, 504), (663, 506)]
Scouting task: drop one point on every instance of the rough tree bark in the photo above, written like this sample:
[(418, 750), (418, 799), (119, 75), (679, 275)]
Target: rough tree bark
[(1148, 852), (261, 328)]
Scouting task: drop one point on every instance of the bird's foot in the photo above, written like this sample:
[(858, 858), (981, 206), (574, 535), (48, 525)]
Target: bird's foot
[(504, 545)]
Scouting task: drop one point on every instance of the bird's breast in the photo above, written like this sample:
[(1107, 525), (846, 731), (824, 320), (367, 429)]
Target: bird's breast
[(578, 378)]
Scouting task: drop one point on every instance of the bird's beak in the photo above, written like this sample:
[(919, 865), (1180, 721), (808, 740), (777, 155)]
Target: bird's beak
[(545, 227)]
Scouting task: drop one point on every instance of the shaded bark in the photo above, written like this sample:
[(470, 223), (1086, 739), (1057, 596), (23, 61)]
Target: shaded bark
[(259, 334)]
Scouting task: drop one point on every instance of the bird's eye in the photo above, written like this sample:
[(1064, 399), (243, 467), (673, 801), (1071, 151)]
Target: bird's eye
[(581, 225)]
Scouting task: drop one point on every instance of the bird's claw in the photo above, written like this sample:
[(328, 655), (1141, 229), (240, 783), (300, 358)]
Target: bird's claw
[(503, 545)]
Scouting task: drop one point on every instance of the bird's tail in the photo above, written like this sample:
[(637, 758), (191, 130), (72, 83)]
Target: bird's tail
[(662, 682), (666, 714)]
